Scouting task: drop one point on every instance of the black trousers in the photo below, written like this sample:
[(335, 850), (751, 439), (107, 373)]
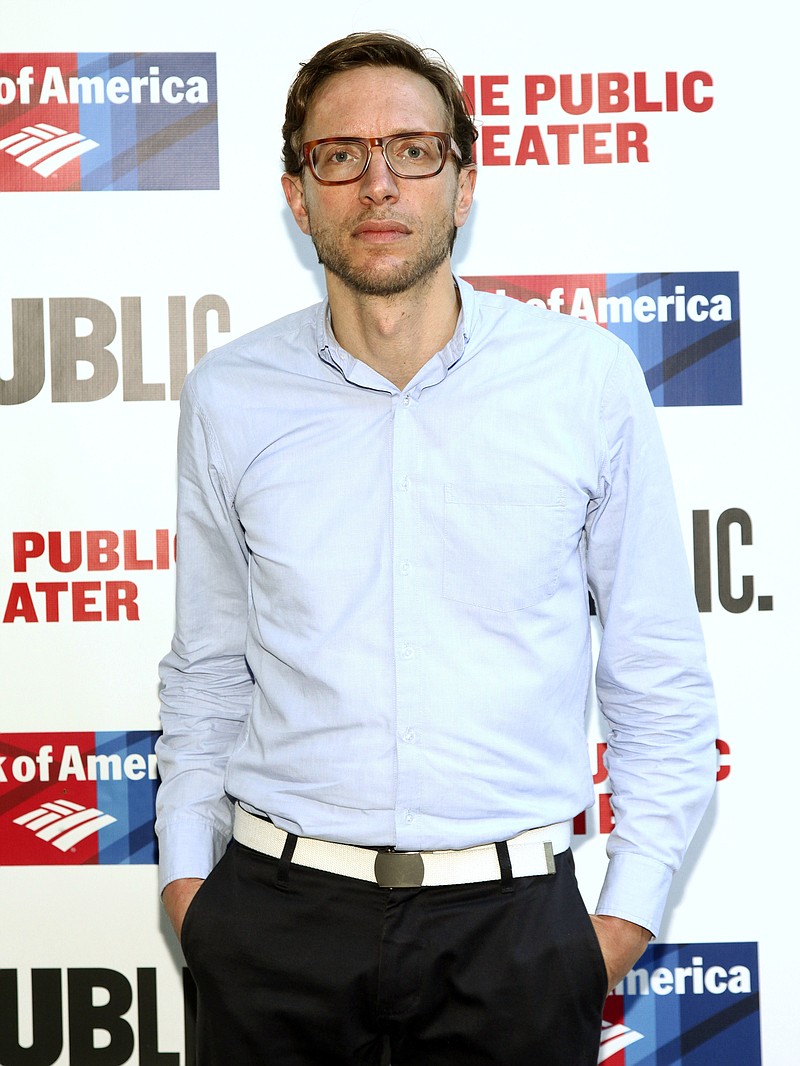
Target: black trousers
[(295, 967)]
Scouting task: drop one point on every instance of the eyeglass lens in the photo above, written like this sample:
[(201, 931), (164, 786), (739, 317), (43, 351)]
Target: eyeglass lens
[(406, 156)]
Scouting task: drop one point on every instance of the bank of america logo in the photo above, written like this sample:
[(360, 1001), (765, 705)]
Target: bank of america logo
[(64, 824), (614, 1038), (108, 121), (683, 326), (685, 1003), (78, 799), (45, 148)]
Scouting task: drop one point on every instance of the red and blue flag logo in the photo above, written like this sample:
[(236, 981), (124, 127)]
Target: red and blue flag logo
[(686, 1005), (96, 121), (70, 799), (683, 327)]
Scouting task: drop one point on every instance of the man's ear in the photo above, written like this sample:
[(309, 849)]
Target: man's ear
[(296, 199), (467, 177)]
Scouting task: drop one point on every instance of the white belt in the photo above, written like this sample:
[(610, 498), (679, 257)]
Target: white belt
[(531, 853)]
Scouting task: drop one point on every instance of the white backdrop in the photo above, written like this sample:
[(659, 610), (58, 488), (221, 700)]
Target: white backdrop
[(718, 194)]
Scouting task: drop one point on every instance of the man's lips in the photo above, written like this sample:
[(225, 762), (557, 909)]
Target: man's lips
[(379, 231)]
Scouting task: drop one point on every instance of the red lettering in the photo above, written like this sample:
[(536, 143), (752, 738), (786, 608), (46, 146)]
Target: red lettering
[(52, 590), (531, 147), (612, 93), (162, 549), (691, 100), (568, 103), (600, 143), (632, 137), (592, 144), (130, 556), (86, 600), (538, 89), (101, 553), (672, 90), (56, 554), (82, 600), (723, 769), (26, 546), (20, 604), (491, 146), (602, 773), (606, 811), (121, 595), (492, 96), (605, 814), (562, 135), (640, 101)]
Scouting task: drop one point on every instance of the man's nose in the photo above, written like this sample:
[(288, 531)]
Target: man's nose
[(378, 182)]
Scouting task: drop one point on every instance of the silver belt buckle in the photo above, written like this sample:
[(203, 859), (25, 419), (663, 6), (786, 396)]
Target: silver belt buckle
[(399, 869)]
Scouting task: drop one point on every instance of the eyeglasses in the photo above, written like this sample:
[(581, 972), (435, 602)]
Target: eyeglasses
[(340, 160)]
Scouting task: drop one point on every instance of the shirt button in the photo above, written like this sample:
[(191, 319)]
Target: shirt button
[(405, 569), (409, 736), (407, 651), (404, 484), (408, 816), (406, 400)]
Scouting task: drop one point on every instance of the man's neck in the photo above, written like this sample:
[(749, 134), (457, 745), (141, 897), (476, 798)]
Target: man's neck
[(395, 335)]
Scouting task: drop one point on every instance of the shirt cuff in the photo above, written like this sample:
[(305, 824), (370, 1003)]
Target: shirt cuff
[(188, 848), (635, 888)]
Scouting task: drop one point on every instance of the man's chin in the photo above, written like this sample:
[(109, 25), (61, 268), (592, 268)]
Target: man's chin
[(389, 277)]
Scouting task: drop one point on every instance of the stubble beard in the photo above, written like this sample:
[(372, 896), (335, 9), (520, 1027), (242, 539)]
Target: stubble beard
[(373, 279)]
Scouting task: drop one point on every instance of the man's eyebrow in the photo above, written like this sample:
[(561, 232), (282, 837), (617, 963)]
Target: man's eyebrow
[(405, 132)]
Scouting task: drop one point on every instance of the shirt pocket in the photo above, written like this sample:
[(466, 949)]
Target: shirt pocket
[(503, 544)]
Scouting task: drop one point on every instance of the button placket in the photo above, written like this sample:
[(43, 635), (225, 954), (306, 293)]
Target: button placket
[(406, 630)]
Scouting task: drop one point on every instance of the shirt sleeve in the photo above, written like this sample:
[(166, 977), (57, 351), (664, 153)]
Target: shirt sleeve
[(206, 687), (652, 681)]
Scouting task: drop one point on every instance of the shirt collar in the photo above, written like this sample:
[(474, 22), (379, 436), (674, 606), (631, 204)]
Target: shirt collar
[(435, 370)]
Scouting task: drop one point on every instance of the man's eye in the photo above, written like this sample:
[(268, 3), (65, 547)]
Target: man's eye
[(415, 151), (339, 154)]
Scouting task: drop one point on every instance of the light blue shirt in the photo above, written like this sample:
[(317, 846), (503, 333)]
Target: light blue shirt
[(382, 616)]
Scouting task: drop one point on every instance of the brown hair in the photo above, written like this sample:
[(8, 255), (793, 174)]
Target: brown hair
[(375, 50)]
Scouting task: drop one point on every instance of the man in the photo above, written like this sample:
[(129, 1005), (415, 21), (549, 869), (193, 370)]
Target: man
[(391, 508)]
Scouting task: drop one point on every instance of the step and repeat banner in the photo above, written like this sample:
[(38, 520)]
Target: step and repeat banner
[(636, 169)]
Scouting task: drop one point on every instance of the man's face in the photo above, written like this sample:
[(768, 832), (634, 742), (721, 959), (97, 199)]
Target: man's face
[(380, 235)]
